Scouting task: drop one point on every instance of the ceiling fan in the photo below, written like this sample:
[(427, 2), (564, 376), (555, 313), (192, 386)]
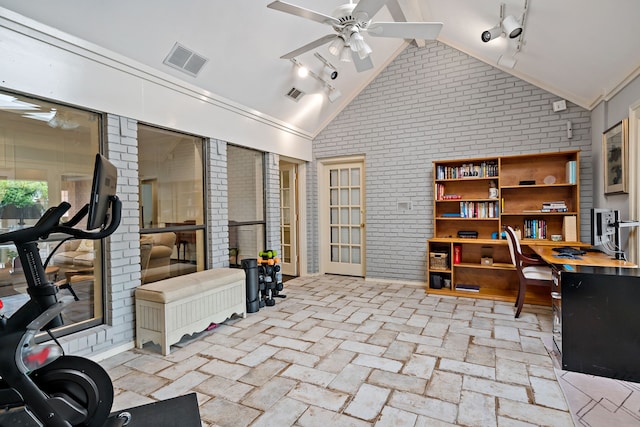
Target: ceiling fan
[(350, 21)]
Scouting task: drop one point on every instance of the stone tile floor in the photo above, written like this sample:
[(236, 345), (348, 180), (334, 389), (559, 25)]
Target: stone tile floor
[(341, 351)]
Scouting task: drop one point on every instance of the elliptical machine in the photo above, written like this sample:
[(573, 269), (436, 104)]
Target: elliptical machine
[(57, 390)]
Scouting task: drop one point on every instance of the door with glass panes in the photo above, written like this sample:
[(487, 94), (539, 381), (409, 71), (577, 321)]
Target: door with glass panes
[(342, 218), (288, 219)]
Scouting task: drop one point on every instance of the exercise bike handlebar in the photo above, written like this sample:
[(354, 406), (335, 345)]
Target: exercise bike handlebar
[(50, 223)]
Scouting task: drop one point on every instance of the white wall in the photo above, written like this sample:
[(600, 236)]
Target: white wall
[(39, 61), (605, 115)]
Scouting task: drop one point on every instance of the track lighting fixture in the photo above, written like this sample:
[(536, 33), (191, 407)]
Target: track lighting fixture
[(491, 34), (303, 71), (511, 27), (328, 72), (508, 26)]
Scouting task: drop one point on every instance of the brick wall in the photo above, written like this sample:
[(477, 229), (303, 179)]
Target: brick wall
[(122, 262), (272, 201), (429, 104), (217, 204)]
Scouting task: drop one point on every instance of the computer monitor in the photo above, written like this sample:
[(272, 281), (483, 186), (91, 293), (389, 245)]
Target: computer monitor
[(105, 180), (604, 229)]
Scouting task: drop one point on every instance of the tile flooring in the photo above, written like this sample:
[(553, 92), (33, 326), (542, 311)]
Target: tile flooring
[(342, 351)]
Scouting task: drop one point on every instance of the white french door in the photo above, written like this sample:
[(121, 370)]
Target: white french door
[(342, 218), (288, 219)]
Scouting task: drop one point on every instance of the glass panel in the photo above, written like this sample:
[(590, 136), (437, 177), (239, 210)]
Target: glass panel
[(334, 253), (334, 216), (286, 219), (334, 235), (355, 177), (287, 254), (344, 215), (284, 177), (171, 174), (334, 197), (355, 255), (285, 198), (344, 177), (355, 216), (245, 241), (344, 253), (333, 178), (286, 235), (355, 196), (344, 235), (344, 196), (47, 154), (355, 235)]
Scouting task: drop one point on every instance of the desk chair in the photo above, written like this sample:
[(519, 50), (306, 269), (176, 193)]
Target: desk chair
[(531, 271)]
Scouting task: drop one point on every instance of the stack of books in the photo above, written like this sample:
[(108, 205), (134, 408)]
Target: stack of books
[(558, 206)]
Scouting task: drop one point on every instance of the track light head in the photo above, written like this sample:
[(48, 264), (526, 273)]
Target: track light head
[(491, 34), (512, 27)]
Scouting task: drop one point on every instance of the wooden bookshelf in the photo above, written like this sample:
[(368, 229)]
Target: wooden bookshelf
[(525, 186)]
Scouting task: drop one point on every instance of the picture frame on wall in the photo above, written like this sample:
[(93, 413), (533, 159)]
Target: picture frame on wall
[(615, 154)]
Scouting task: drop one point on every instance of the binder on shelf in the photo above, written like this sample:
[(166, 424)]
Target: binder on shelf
[(569, 229)]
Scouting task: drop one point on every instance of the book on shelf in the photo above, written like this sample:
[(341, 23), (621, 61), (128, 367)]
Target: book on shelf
[(467, 288), (571, 172)]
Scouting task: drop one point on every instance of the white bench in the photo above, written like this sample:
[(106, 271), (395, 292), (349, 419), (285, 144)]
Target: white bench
[(171, 308)]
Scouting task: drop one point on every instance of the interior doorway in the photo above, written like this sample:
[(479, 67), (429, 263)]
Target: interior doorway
[(342, 213), (289, 257)]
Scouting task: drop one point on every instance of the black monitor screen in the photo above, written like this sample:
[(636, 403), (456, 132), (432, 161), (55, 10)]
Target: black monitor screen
[(105, 179)]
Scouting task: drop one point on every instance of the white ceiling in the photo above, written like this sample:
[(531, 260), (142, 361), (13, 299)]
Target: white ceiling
[(580, 50)]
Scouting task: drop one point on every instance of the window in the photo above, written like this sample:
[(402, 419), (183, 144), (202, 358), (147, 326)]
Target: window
[(247, 226), (171, 203), (46, 157)]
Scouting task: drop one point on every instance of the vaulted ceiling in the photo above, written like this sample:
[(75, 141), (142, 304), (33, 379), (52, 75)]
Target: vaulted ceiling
[(580, 50)]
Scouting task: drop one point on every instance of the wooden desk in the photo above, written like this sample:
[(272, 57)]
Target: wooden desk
[(594, 259)]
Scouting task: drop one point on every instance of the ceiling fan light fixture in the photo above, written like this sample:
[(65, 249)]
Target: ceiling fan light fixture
[(512, 27), (336, 46), (345, 55), (359, 45)]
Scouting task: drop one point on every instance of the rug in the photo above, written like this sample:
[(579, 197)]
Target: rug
[(181, 411)]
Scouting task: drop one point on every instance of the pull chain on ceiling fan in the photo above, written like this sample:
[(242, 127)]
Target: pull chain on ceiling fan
[(350, 21)]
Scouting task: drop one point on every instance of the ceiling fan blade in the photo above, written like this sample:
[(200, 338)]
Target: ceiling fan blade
[(406, 30), (368, 7), (303, 13), (361, 64), (309, 46), (396, 11)]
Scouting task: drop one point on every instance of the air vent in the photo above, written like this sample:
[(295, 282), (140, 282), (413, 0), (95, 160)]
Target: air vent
[(185, 60), (295, 94)]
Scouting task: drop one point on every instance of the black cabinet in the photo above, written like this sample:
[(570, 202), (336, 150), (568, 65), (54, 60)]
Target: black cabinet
[(601, 322)]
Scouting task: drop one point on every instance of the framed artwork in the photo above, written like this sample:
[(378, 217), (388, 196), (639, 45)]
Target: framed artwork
[(615, 142)]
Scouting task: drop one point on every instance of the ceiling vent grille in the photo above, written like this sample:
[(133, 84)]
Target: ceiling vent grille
[(295, 94), (185, 60)]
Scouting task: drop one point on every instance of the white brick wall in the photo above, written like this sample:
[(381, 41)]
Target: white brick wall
[(217, 205), (272, 201), (435, 103)]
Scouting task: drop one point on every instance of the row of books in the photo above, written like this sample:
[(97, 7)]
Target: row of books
[(467, 170), (479, 210), (535, 229), (441, 195)]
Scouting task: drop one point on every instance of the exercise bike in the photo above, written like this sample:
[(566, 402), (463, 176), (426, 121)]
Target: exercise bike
[(54, 389)]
